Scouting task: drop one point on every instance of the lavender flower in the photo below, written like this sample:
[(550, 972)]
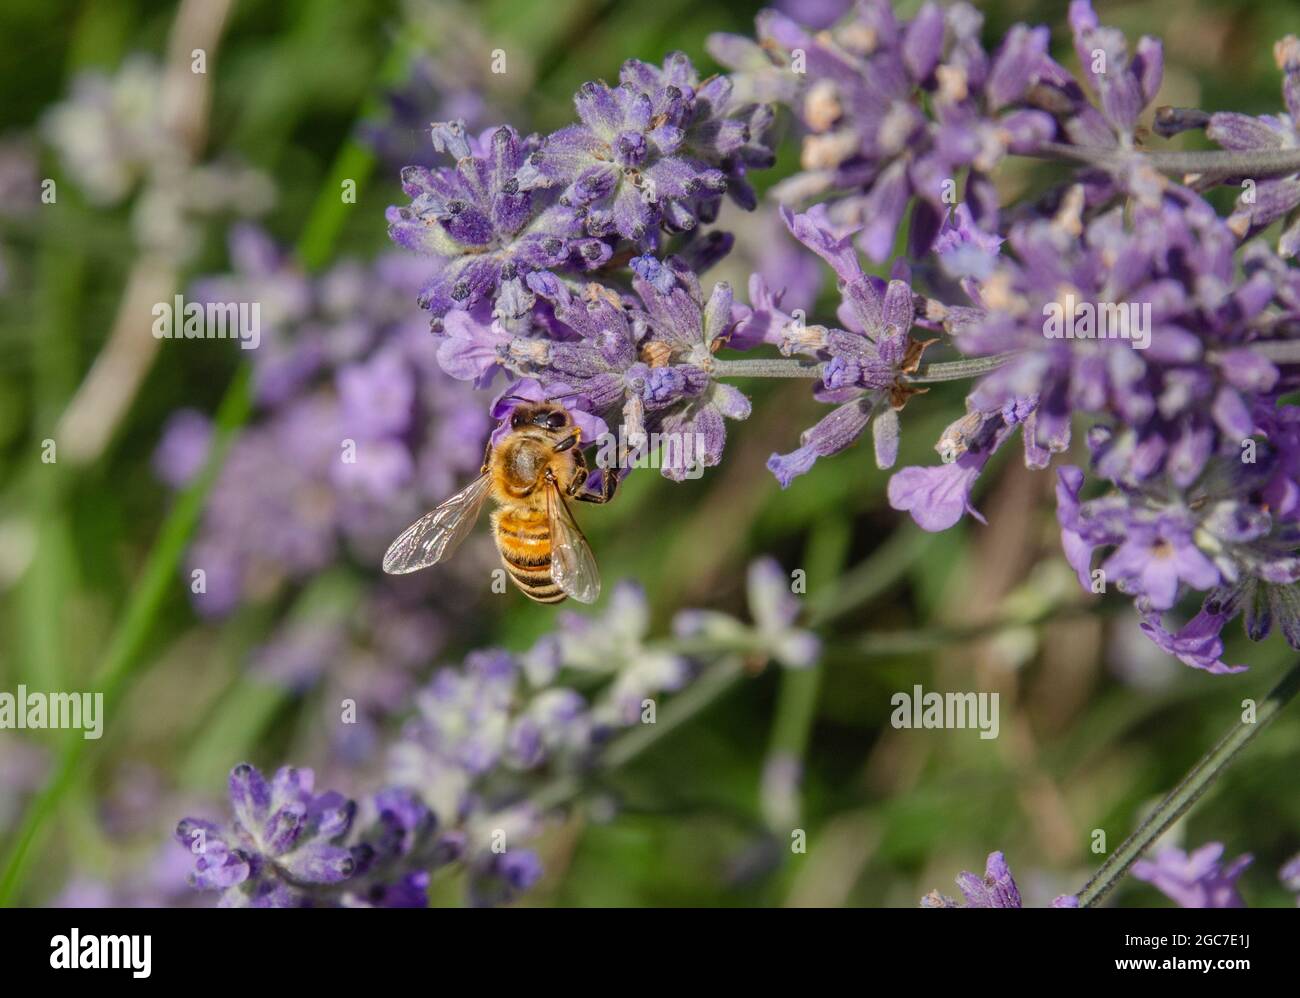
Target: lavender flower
[(651, 365), (1124, 83), (774, 609), (480, 229), (616, 642), (283, 840), (183, 449), (996, 889), (465, 781), (1262, 204), (1195, 880), (1176, 420), (896, 110), (358, 429), (937, 497), (865, 366), (658, 150), (114, 138)]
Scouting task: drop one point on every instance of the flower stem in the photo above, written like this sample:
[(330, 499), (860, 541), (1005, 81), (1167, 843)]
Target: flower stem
[(956, 370), (1215, 164), (796, 367), (1183, 796), (123, 652), (710, 686), (767, 367)]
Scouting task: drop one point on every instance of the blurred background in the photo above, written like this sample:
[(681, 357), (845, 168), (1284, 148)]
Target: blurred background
[(168, 180)]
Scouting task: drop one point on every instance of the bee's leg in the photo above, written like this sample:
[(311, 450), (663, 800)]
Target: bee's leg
[(579, 475), (566, 444), (608, 484), (487, 457)]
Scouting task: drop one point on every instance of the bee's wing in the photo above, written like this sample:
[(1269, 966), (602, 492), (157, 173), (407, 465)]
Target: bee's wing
[(436, 535), (573, 567)]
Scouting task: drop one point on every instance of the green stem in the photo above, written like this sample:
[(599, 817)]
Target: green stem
[(157, 581), (796, 367), (871, 577), (716, 681), (320, 234), (1215, 164), (957, 370), (1183, 796), (767, 367)]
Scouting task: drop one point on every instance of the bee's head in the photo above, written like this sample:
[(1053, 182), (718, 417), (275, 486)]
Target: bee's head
[(544, 415)]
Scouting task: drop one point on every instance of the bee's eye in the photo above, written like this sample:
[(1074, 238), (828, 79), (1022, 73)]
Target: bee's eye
[(555, 420), (516, 419)]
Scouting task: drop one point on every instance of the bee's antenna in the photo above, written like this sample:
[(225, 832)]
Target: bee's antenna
[(549, 398)]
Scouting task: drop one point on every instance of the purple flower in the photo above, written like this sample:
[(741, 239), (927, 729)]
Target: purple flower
[(656, 151), (1215, 537), (688, 330), (1127, 343), (774, 609), (283, 839), (659, 149), (963, 248), (1197, 643), (290, 353), (996, 889), (1262, 204), (899, 116), (471, 349), (814, 13), (344, 450), (478, 227), (831, 434), (1154, 558), (1197, 880), (501, 877), (937, 497), (183, 449), (866, 366), (1124, 84), (616, 645)]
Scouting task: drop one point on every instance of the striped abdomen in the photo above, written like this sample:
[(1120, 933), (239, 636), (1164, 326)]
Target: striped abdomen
[(524, 539)]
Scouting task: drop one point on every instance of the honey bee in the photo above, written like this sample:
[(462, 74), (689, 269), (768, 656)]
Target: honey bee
[(530, 475)]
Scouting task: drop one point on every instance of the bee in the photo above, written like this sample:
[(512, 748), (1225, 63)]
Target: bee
[(530, 475)]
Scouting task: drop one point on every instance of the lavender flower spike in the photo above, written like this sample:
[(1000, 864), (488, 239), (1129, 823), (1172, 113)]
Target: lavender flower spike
[(659, 149), (996, 889), (283, 839), (481, 230)]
